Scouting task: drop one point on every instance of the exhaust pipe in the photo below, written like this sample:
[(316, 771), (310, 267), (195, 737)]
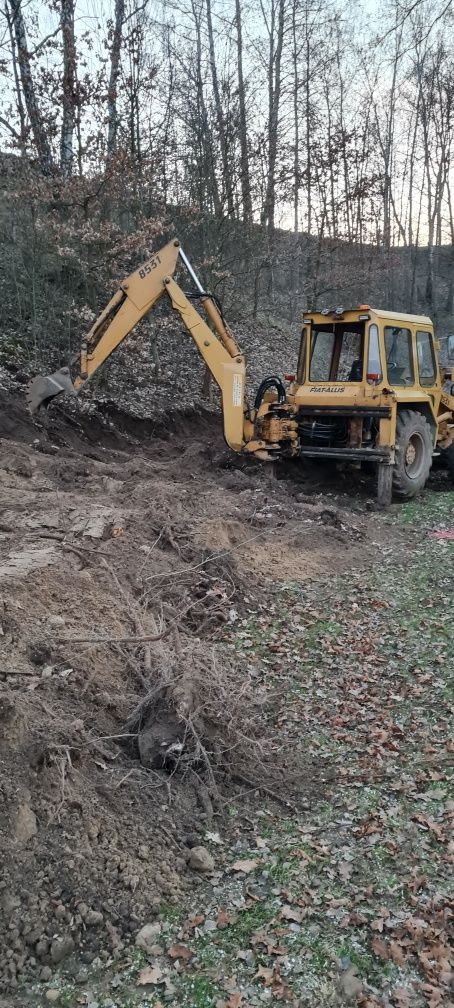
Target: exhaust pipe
[(42, 389)]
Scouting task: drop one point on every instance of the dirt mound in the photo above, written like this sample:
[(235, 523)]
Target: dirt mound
[(126, 550), (15, 423)]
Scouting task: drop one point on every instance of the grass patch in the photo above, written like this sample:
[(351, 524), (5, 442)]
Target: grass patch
[(199, 992), (249, 921), (67, 996), (368, 967), (169, 913)]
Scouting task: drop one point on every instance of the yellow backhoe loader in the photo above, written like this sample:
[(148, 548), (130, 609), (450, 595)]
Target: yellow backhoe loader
[(368, 387)]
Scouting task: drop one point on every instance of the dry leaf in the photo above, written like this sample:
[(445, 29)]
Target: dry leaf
[(214, 837), (260, 843), (380, 948), (245, 866), (350, 983), (179, 952), (429, 824), (235, 1001), (244, 954), (149, 975), (293, 913), (396, 953), (230, 984), (265, 974), (193, 922), (401, 997), (345, 869)]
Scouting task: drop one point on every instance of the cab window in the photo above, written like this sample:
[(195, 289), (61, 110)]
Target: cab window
[(321, 355), (301, 371), (399, 360), (373, 355), (426, 359), (337, 352), (350, 365)]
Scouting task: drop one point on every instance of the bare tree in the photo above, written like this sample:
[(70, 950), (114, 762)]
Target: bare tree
[(243, 132), (38, 129), (20, 135), (221, 127), (115, 54), (275, 29), (69, 86)]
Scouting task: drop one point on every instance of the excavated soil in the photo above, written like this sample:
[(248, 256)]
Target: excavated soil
[(113, 528)]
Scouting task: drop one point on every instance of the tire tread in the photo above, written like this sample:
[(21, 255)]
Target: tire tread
[(401, 486)]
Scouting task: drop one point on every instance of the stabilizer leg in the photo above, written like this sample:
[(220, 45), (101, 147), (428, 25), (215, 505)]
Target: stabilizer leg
[(384, 485)]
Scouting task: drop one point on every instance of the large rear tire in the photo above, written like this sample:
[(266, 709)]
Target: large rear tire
[(414, 448)]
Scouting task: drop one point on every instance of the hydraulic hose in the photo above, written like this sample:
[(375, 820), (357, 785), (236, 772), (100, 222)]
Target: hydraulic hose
[(272, 382)]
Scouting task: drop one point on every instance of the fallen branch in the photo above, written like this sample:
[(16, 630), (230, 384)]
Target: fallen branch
[(83, 549), (115, 640), (272, 794)]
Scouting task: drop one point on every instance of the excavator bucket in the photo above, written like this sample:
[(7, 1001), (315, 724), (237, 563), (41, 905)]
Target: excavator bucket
[(42, 389)]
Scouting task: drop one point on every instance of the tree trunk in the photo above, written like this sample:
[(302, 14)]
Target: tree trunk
[(40, 139), (69, 87), (430, 292), (20, 104), (226, 170), (244, 154), (115, 52), (207, 178), (274, 95), (308, 53), (296, 123), (295, 269)]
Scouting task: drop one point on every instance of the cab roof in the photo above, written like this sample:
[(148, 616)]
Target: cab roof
[(402, 317), (355, 313)]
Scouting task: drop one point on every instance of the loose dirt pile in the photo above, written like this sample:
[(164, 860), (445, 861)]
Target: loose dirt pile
[(114, 751)]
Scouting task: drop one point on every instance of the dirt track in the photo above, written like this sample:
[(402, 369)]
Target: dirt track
[(114, 528)]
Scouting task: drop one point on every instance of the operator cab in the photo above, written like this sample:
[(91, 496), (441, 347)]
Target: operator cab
[(362, 346), (355, 366)]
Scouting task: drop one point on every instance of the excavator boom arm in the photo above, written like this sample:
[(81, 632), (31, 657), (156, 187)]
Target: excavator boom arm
[(133, 300), (228, 372)]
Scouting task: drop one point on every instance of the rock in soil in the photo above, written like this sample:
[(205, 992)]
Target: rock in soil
[(201, 860), (60, 948), (25, 826), (146, 937), (94, 918)]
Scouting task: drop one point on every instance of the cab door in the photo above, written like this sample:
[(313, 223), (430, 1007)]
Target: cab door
[(426, 361)]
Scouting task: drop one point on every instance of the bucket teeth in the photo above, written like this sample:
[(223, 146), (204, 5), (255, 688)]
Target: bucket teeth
[(42, 389)]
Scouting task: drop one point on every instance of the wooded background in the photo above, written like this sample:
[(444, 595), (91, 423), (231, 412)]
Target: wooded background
[(301, 149)]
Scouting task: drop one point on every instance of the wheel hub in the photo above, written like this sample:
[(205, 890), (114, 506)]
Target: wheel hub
[(414, 455), (410, 454)]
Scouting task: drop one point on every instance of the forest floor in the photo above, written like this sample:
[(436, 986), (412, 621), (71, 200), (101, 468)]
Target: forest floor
[(252, 805)]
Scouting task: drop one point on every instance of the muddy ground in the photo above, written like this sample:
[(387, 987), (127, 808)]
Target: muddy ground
[(118, 754)]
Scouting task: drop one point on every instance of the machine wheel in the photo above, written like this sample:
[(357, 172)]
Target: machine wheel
[(414, 444)]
